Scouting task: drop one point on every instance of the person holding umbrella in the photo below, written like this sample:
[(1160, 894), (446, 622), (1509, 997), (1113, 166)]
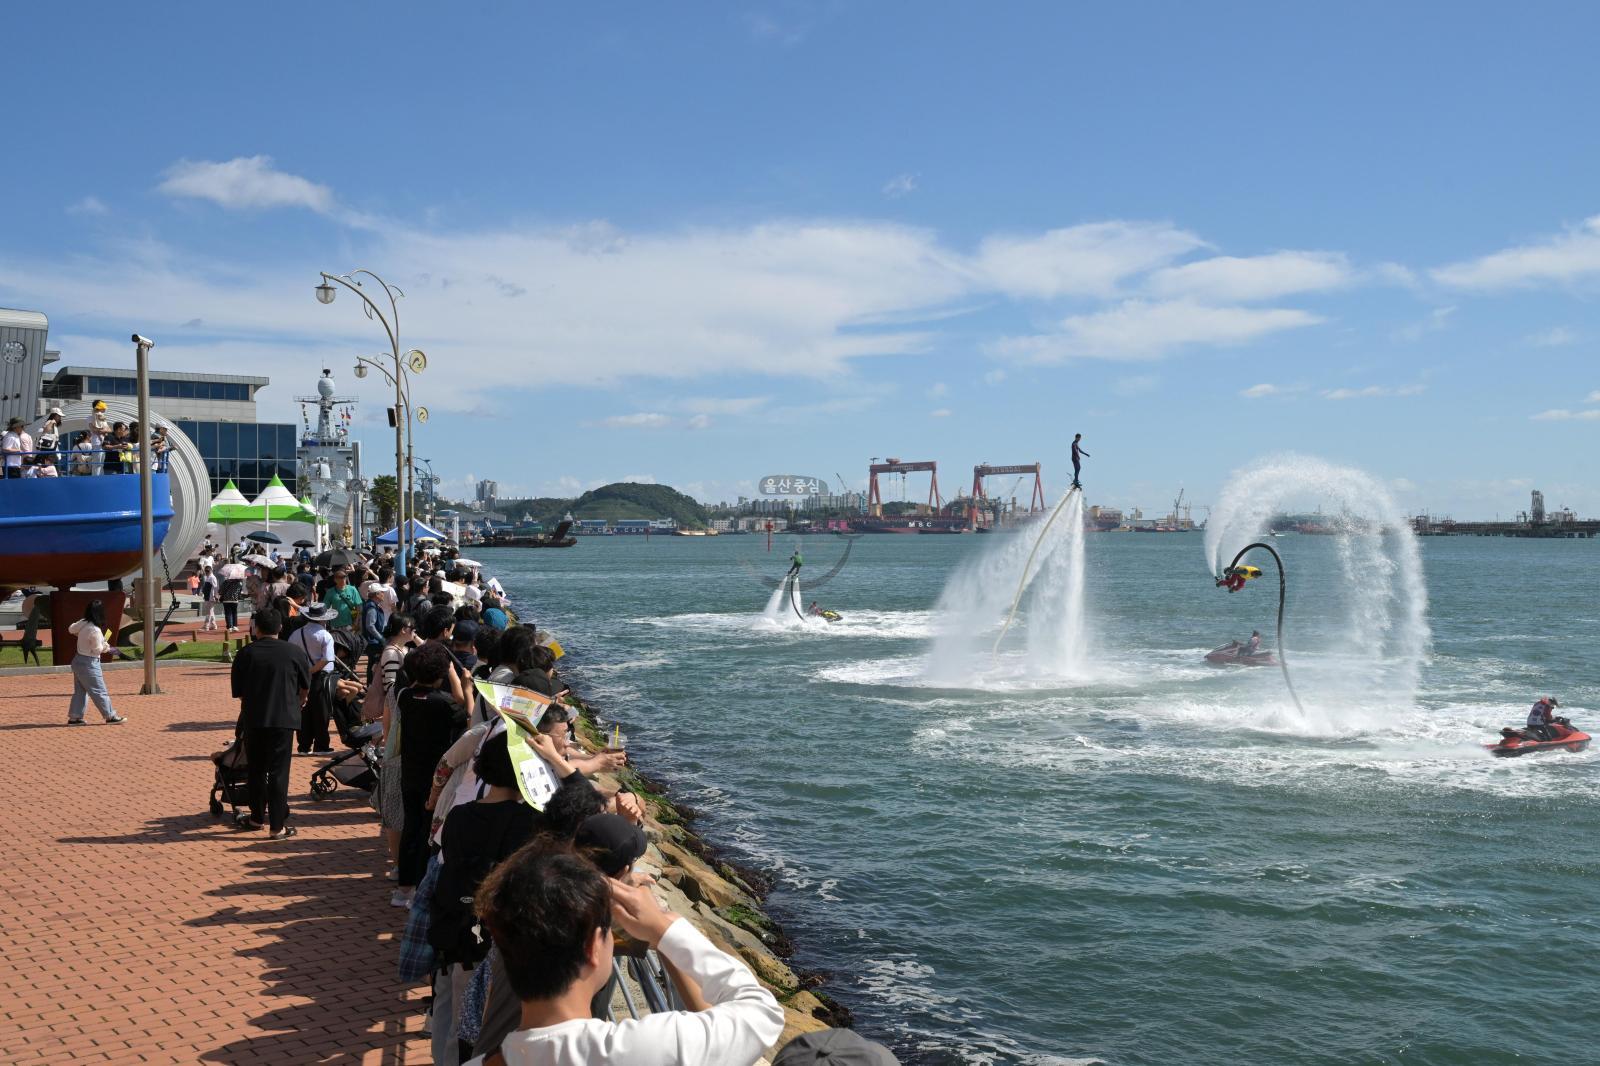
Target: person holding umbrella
[(232, 576)]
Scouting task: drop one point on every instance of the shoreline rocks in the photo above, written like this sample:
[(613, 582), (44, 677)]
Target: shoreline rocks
[(724, 902)]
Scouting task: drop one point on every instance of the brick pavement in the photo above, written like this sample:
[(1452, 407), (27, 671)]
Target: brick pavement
[(136, 928)]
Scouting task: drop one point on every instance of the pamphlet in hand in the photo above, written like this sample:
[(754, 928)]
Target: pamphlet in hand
[(521, 709)]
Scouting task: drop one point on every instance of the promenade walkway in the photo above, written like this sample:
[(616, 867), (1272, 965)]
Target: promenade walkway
[(135, 928)]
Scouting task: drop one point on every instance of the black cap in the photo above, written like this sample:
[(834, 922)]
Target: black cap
[(837, 1047), (616, 842)]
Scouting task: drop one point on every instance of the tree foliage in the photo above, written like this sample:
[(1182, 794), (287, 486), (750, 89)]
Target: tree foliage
[(386, 496), (620, 500)]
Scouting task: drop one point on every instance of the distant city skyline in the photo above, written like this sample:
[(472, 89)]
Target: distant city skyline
[(695, 246)]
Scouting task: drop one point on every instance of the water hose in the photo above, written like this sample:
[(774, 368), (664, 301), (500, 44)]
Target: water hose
[(1233, 579), (1023, 584), (790, 586)]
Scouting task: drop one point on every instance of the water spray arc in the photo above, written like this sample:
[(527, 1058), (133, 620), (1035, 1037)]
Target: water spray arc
[(1022, 583), (1233, 579)]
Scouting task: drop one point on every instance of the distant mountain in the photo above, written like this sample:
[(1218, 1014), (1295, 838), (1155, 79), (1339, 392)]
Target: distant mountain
[(624, 499)]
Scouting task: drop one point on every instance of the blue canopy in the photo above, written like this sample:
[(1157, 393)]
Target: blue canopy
[(415, 531)]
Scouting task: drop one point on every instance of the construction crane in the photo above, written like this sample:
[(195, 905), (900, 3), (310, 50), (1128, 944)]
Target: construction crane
[(895, 466), (983, 470)]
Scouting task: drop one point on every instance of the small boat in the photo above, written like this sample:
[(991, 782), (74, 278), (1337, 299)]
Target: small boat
[(1233, 654), (1521, 741)]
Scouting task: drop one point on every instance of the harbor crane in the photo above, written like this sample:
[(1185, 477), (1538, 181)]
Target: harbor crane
[(984, 470), (896, 466)]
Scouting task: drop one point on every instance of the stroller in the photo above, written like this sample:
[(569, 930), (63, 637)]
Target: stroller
[(230, 785), (357, 767)]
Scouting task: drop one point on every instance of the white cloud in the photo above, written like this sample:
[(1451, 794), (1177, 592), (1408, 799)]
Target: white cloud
[(247, 182), (994, 377), (722, 405), (1374, 392), (1135, 384), (1138, 329), (900, 185), (1561, 414), (637, 420), (1569, 256), (1438, 319), (942, 412), (1235, 279), (1256, 392), (1087, 260), (699, 422), (1593, 397), (938, 389), (1554, 337), (639, 479), (89, 205)]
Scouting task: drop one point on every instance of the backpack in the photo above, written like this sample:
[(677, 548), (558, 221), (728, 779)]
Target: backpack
[(453, 927), (231, 589)]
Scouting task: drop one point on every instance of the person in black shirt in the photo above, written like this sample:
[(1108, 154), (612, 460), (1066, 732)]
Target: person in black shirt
[(430, 721), (476, 837), (1077, 454), (271, 680)]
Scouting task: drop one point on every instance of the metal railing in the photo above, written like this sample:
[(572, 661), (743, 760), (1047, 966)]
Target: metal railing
[(654, 984)]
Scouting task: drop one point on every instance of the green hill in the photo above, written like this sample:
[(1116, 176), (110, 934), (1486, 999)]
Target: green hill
[(623, 499)]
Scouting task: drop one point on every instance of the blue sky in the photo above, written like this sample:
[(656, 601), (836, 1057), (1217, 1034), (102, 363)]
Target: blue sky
[(697, 244)]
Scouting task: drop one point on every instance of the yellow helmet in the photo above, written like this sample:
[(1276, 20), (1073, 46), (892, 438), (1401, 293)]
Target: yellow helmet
[(99, 405)]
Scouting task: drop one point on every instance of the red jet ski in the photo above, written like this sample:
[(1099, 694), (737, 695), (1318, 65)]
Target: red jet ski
[(1520, 741), (1233, 654)]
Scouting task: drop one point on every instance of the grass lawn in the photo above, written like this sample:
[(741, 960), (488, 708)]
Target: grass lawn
[(207, 651)]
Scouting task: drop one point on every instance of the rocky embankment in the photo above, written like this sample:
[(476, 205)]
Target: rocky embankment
[(723, 902)]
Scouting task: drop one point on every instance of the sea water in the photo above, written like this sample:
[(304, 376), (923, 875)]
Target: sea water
[(1146, 859)]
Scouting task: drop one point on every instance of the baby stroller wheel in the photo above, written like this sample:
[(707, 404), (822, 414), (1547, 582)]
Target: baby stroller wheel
[(322, 785)]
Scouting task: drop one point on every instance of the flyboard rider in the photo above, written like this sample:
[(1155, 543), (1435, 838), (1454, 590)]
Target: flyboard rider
[(1077, 459)]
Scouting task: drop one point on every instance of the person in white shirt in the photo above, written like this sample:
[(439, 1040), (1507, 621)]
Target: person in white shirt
[(318, 644), (88, 683), (16, 444), (550, 914)]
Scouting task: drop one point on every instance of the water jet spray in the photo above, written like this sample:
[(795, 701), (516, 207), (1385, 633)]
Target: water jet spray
[(1022, 584)]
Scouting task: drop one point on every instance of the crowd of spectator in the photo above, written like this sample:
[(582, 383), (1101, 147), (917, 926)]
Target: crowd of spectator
[(512, 912), (105, 447)]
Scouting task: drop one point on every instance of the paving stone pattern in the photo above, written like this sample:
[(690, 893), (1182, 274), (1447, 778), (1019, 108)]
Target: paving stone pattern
[(134, 927)]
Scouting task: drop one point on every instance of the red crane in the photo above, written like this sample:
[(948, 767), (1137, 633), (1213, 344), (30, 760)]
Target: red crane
[(983, 470), (895, 466)]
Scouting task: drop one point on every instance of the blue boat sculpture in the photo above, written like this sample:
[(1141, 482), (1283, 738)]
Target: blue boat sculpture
[(65, 530)]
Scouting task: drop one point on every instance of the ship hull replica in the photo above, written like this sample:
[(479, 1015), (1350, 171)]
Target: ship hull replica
[(68, 530)]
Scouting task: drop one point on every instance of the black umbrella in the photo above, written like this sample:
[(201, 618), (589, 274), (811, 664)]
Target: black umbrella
[(338, 557), (305, 544), (263, 537)]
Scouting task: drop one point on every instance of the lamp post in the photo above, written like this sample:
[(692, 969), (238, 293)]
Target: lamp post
[(413, 360), (147, 535)]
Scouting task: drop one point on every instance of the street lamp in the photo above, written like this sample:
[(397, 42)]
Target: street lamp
[(413, 359)]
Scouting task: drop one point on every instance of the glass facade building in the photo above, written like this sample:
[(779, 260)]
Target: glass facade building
[(164, 388), (248, 453)]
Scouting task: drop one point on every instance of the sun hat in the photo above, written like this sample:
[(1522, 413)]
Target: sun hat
[(318, 612), (836, 1047)]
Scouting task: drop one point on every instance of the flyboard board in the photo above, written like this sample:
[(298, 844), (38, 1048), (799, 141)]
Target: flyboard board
[(1028, 566)]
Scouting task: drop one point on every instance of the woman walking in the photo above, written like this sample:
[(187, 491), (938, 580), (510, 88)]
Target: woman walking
[(209, 591), (87, 681)]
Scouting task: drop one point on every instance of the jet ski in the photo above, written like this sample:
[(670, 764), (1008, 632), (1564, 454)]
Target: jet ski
[(832, 616), (1233, 654), (1521, 741)]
